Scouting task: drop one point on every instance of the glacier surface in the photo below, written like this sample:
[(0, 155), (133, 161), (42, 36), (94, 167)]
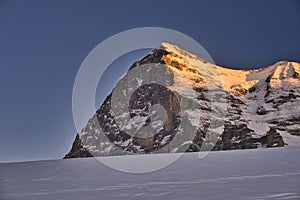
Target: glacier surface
[(271, 173)]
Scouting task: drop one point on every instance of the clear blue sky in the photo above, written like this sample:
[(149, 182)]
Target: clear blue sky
[(43, 43)]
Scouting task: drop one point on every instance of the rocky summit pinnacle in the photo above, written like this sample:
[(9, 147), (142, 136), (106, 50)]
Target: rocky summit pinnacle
[(194, 105)]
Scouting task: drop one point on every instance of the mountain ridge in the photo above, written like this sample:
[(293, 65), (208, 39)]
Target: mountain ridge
[(251, 117)]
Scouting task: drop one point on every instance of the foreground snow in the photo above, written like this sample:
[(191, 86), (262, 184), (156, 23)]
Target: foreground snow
[(240, 174)]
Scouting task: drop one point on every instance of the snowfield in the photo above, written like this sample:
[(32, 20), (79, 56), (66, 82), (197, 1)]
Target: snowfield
[(254, 174)]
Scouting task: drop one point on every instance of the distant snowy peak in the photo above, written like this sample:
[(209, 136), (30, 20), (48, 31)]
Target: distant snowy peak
[(279, 71), (285, 73)]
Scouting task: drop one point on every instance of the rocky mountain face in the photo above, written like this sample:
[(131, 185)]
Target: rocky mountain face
[(173, 101)]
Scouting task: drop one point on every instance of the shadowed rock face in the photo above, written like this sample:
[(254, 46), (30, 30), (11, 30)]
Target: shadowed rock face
[(256, 101), (152, 94), (78, 150), (139, 106)]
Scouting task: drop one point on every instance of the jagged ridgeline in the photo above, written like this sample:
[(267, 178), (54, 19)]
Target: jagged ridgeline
[(192, 110)]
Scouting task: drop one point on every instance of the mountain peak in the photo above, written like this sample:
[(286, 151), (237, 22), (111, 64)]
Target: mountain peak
[(251, 107), (233, 79)]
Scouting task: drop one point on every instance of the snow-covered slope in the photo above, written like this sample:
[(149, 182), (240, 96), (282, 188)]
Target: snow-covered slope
[(257, 174), (275, 101), (201, 107)]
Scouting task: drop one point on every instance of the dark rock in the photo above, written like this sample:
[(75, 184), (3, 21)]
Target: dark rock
[(237, 136), (268, 79), (78, 150), (200, 89), (252, 89), (261, 110), (153, 57), (272, 139), (294, 132)]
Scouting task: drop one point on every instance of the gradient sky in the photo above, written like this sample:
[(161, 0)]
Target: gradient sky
[(43, 43)]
